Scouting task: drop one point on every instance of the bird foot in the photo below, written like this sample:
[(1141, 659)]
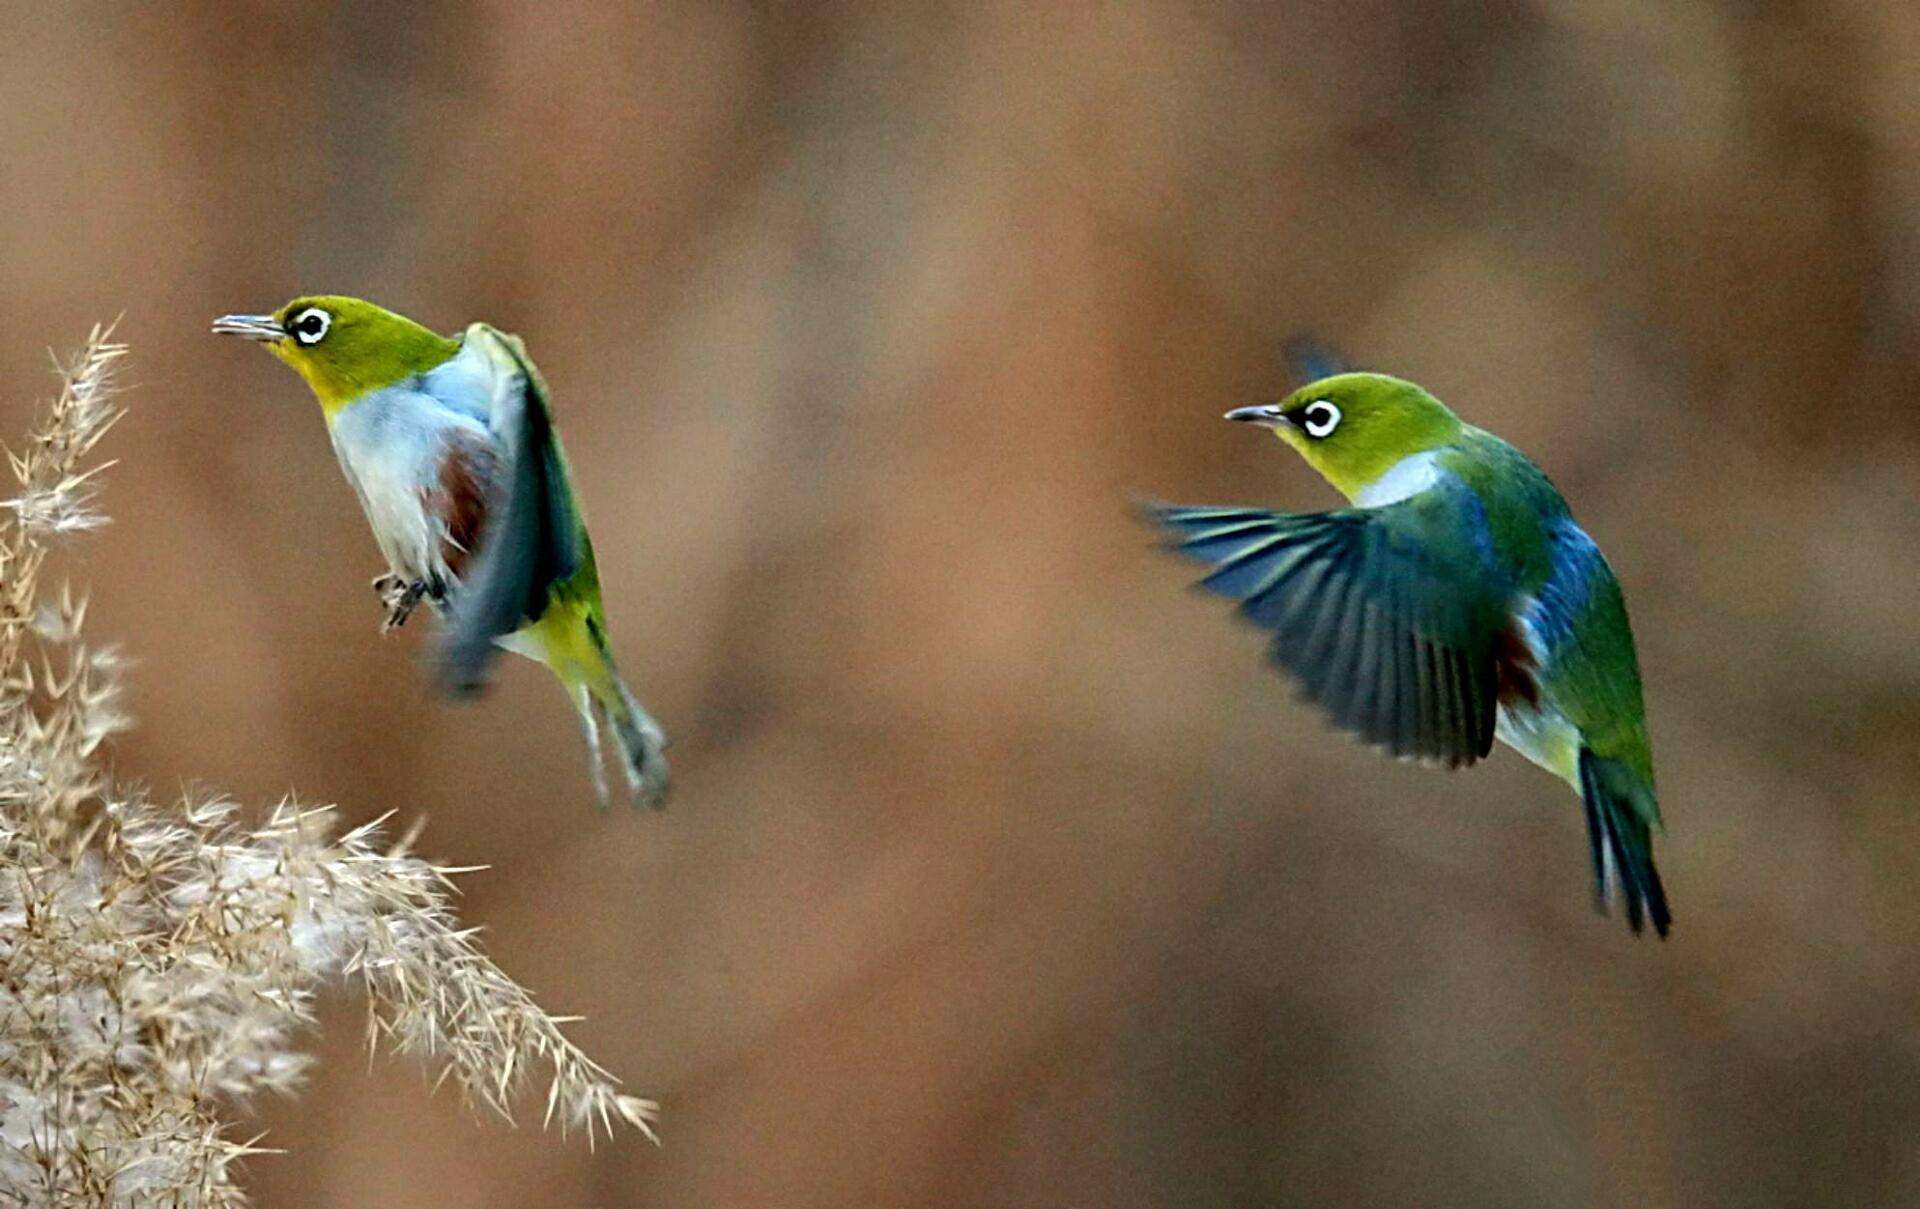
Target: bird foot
[(400, 598)]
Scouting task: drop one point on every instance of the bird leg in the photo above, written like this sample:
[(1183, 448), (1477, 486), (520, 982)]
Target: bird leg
[(400, 598)]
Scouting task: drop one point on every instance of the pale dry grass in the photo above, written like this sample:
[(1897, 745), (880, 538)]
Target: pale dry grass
[(157, 961)]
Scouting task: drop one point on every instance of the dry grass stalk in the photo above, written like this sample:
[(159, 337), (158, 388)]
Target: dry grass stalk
[(157, 961)]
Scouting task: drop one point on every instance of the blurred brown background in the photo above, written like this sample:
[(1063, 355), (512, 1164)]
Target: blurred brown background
[(1002, 870)]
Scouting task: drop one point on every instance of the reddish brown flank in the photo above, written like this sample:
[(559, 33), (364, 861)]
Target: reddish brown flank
[(461, 501), (1513, 666)]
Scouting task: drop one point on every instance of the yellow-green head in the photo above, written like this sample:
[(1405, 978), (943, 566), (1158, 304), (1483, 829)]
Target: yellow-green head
[(1353, 428), (343, 347)]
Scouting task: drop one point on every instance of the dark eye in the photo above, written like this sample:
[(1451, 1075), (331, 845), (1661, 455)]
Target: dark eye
[(310, 326), (1319, 418)]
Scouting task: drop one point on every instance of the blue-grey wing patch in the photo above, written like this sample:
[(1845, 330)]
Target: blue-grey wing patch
[(1309, 359), (1387, 617), (531, 540)]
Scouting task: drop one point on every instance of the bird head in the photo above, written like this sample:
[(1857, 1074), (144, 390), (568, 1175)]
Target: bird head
[(1352, 428), (343, 347)]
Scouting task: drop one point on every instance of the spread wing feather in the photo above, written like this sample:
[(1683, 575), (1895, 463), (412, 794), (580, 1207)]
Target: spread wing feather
[(1387, 617)]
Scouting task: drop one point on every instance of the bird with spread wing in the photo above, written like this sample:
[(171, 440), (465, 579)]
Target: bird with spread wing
[(1456, 602)]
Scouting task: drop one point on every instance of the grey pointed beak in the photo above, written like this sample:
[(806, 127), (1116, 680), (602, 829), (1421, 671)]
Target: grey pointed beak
[(253, 327), (1267, 415)]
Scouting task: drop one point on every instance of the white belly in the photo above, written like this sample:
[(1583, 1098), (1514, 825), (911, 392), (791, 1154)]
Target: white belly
[(390, 446), (1542, 734)]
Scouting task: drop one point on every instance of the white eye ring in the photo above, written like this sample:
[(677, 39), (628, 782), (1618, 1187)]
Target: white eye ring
[(1322, 417), (306, 330)]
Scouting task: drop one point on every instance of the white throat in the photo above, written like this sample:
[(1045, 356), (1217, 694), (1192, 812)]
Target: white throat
[(1407, 477)]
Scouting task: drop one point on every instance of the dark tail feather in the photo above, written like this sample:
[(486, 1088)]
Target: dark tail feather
[(1597, 841), (643, 746), (1621, 837), (638, 741)]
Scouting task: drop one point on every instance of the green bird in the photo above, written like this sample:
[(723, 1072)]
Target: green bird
[(1455, 603), (449, 443)]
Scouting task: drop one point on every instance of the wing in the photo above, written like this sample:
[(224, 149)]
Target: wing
[(533, 541), (1394, 619)]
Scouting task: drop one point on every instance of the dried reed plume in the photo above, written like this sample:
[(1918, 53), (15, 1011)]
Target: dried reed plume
[(156, 962)]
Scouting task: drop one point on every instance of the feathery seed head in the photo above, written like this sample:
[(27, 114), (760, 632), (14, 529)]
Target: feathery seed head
[(157, 961)]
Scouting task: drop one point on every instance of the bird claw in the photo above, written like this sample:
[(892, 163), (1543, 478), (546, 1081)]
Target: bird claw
[(400, 598)]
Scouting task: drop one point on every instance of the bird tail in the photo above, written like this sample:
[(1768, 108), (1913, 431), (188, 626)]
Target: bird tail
[(571, 640), (1620, 818), (605, 703)]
